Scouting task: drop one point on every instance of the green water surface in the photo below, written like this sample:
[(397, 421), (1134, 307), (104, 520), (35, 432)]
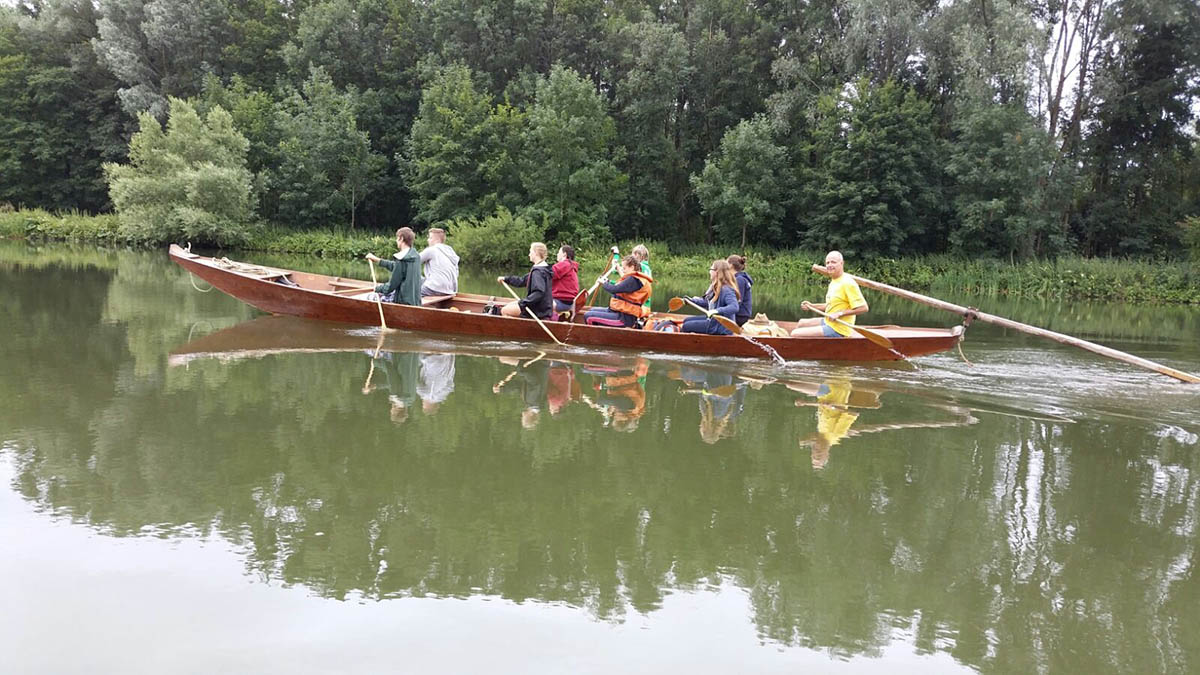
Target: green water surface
[(191, 486)]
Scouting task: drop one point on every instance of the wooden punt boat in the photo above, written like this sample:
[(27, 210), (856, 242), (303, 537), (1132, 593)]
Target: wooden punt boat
[(316, 296)]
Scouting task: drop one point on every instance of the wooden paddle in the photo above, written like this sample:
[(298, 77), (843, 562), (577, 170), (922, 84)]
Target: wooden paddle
[(531, 314), (677, 302), (1024, 328), (588, 292), (869, 334), (378, 298)]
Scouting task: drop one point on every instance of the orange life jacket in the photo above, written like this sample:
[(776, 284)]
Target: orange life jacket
[(633, 303)]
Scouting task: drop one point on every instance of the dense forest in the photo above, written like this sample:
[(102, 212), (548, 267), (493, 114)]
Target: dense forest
[(1014, 129)]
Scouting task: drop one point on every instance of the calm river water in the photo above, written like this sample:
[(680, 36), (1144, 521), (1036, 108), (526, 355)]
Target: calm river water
[(187, 485)]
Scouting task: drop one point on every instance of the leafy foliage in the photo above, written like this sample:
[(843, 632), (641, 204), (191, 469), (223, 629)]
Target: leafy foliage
[(746, 184), (569, 169), (499, 240), (326, 165), (872, 183), (189, 181), (981, 127)]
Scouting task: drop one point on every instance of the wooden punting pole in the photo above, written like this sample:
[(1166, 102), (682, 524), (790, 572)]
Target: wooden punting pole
[(1024, 328)]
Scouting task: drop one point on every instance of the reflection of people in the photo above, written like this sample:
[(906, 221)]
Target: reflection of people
[(834, 418), (623, 395), (533, 378), (437, 381), (721, 400), (439, 265), (399, 378), (537, 297), (722, 297), (404, 286), (843, 300), (562, 386)]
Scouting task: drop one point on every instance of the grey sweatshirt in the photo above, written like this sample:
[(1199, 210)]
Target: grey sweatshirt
[(440, 267)]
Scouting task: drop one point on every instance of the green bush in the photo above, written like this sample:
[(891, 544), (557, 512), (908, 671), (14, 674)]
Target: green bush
[(187, 183), (500, 240), (1191, 237), (39, 225)]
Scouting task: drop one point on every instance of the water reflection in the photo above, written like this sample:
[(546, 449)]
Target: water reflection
[(1014, 542)]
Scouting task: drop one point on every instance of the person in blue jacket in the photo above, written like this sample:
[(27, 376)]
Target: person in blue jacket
[(722, 298), (744, 282)]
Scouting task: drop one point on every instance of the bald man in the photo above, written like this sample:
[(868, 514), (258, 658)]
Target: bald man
[(843, 300)]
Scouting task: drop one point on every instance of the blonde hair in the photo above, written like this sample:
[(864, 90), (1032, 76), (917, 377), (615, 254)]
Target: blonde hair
[(540, 249), (640, 252), (724, 278)]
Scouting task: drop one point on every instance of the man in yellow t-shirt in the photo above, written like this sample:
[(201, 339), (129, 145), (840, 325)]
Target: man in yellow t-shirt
[(843, 300)]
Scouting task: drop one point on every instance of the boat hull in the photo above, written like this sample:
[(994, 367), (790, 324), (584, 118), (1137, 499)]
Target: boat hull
[(317, 297)]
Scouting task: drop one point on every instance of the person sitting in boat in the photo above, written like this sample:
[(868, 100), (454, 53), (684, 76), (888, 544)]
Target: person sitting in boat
[(720, 298), (627, 306), (404, 287), (643, 256), (843, 300), (564, 280), (439, 266), (744, 282), (537, 297)]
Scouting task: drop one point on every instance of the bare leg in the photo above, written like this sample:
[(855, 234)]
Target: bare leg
[(809, 328), (511, 309)]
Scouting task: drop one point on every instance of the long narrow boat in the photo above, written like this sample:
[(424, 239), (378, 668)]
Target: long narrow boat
[(316, 296)]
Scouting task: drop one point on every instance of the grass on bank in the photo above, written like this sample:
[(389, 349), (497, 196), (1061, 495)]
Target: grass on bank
[(498, 243)]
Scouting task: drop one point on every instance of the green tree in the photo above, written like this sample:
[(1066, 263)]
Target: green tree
[(458, 152), (745, 183), (59, 115), (999, 161), (871, 182), (189, 181), (1138, 152), (160, 48), (655, 69), (568, 168), (327, 167)]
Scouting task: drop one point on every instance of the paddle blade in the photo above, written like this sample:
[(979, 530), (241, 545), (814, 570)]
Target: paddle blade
[(873, 337), (675, 304), (730, 324)]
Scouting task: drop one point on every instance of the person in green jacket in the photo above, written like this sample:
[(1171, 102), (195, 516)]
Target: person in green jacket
[(404, 288)]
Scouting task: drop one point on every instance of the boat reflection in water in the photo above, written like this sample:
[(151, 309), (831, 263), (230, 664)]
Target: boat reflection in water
[(408, 368)]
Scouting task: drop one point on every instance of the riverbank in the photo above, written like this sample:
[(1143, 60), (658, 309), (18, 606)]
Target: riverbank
[(1118, 280)]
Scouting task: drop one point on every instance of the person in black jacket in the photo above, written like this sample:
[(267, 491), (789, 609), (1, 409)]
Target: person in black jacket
[(537, 297)]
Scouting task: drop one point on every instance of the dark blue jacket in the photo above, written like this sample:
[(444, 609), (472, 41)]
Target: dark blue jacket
[(746, 306)]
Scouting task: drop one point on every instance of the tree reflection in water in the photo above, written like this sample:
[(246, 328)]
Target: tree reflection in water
[(1013, 543)]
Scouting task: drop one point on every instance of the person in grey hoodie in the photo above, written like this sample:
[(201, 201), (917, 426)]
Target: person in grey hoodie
[(440, 265)]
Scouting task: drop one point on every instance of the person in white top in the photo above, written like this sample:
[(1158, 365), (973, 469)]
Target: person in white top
[(439, 266)]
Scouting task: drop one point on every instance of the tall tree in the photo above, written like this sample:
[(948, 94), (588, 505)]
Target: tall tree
[(160, 48), (569, 168), (870, 173), (654, 70), (1139, 147), (999, 161), (326, 166), (459, 159), (59, 115), (745, 183)]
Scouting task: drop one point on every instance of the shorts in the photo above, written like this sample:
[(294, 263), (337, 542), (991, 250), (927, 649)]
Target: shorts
[(828, 331)]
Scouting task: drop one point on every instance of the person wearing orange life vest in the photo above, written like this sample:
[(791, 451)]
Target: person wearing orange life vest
[(628, 297)]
